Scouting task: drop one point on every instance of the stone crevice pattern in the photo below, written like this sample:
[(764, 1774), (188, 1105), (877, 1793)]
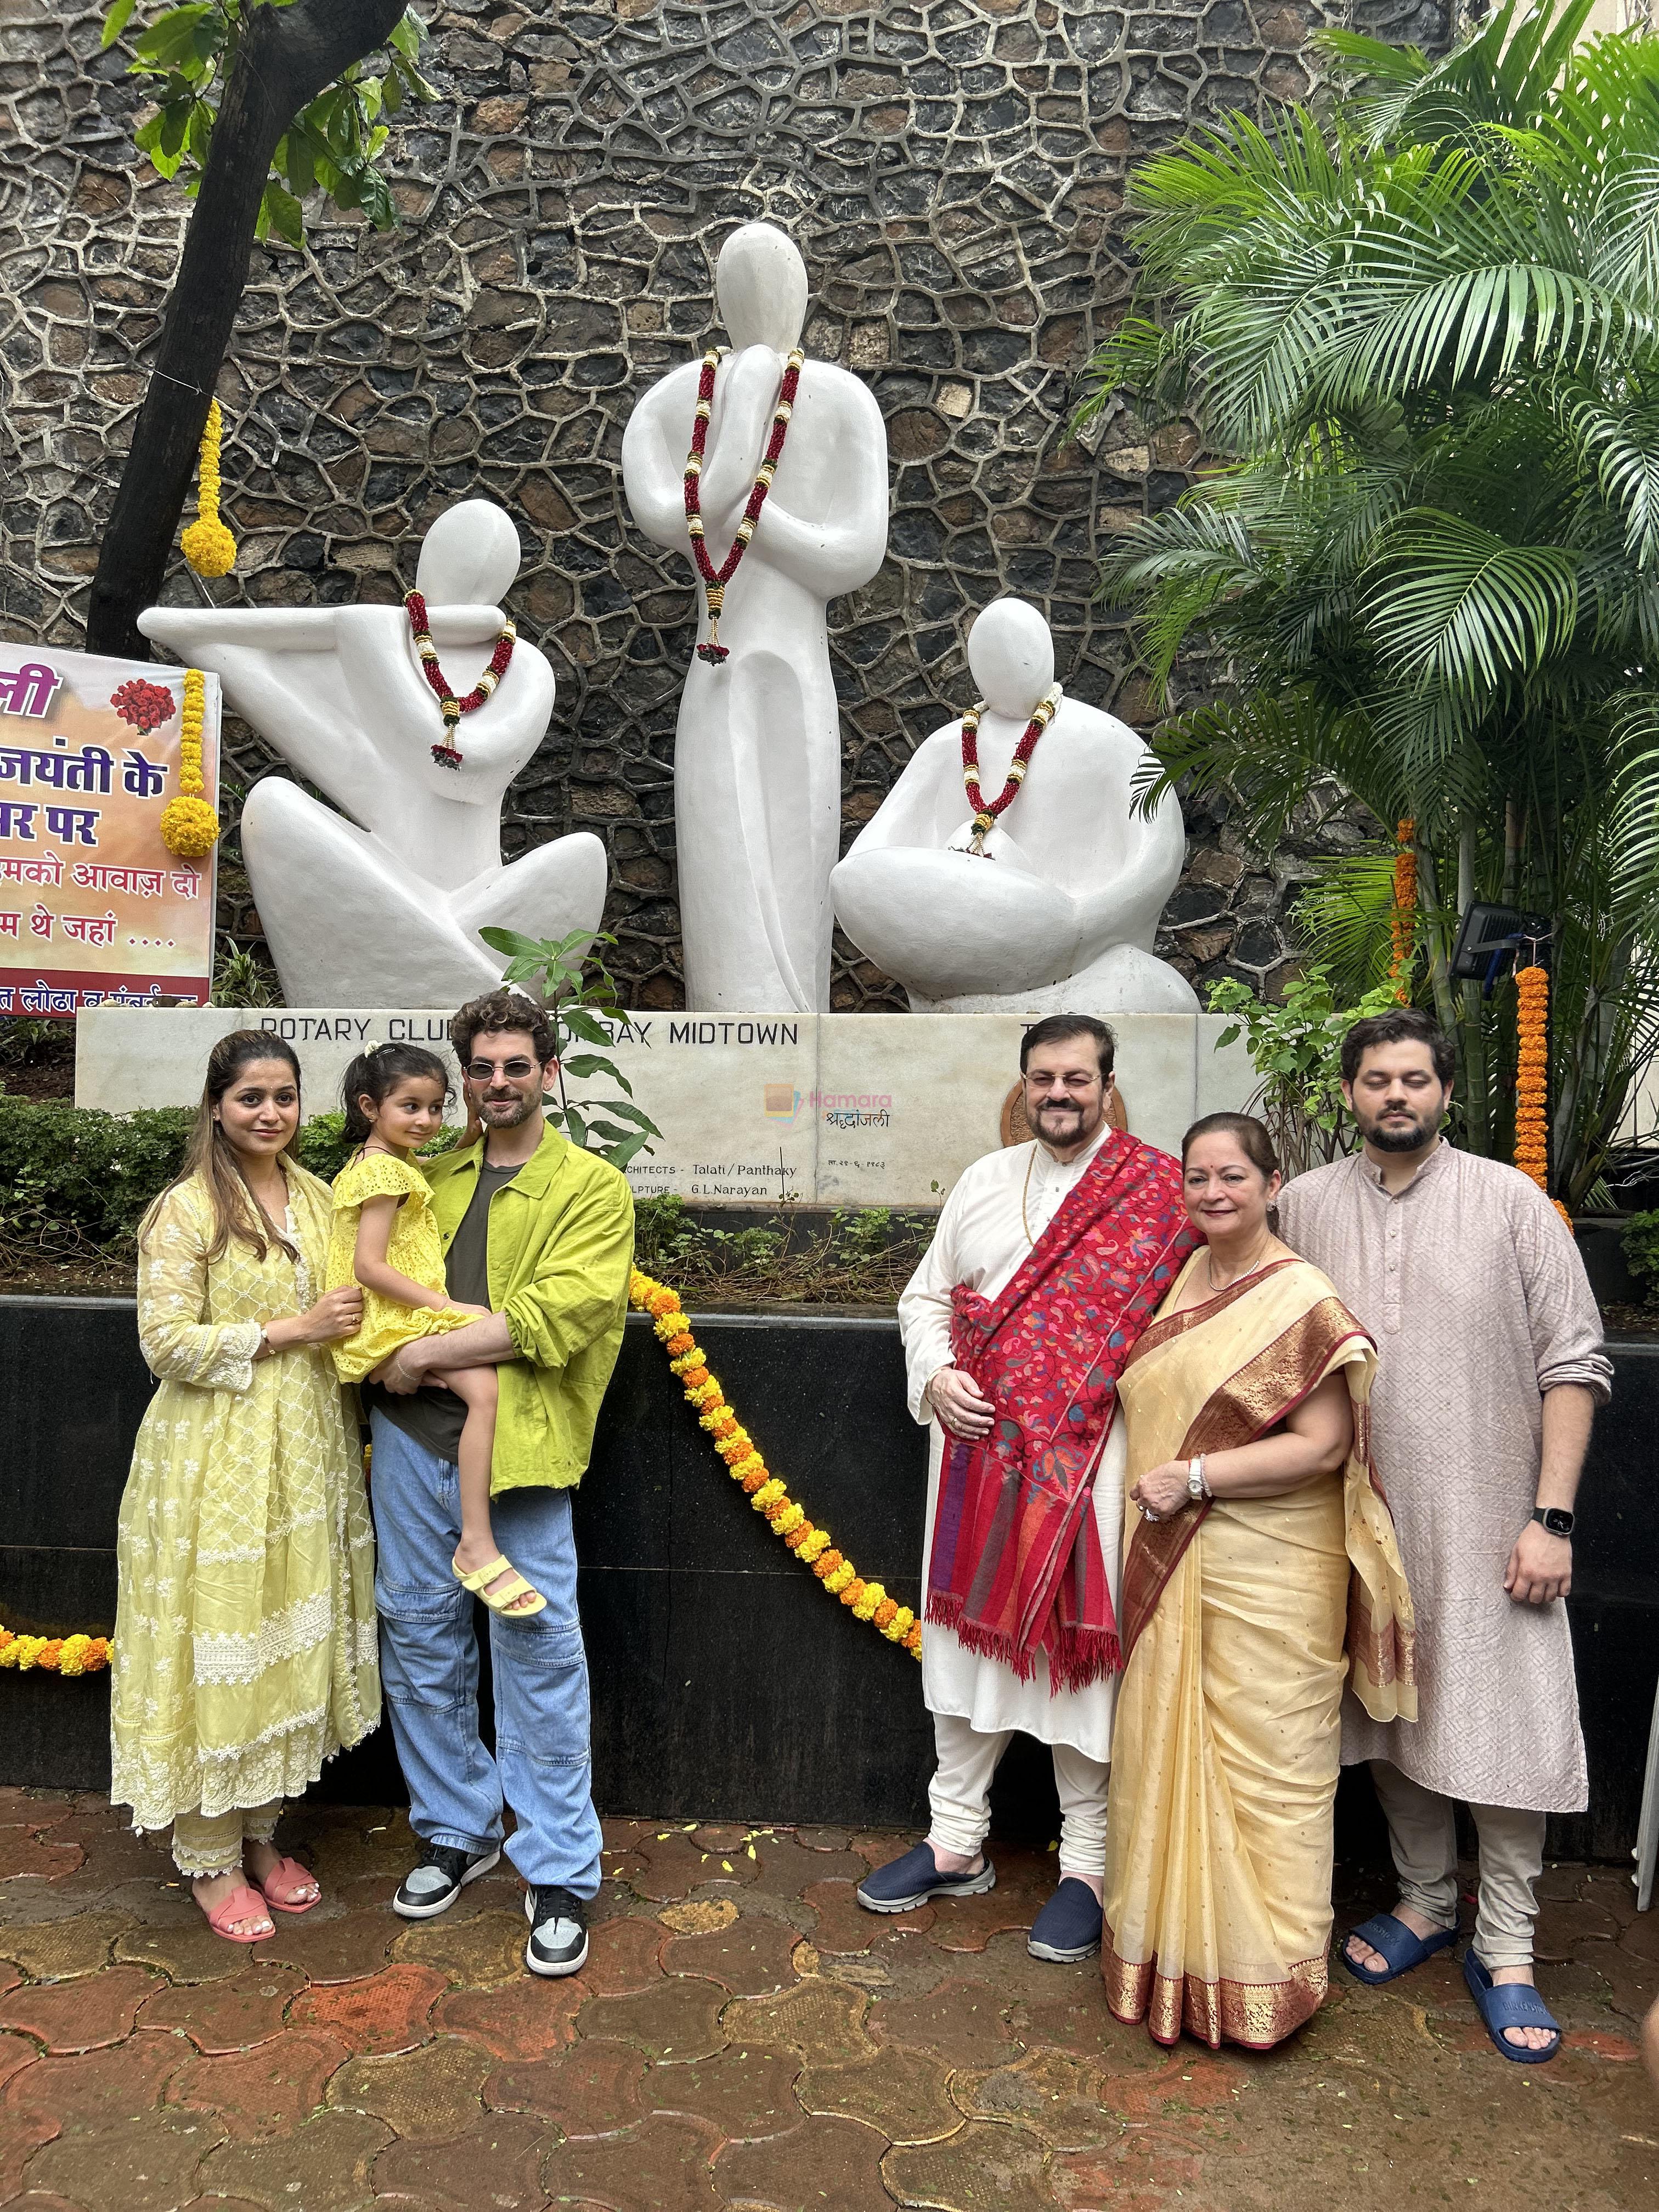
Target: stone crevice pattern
[(953, 174)]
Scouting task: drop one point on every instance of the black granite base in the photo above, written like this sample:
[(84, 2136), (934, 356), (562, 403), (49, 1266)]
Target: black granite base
[(725, 1685)]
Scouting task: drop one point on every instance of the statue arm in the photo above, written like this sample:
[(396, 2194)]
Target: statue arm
[(906, 817), (187, 630), (653, 472), (844, 548), (1130, 905)]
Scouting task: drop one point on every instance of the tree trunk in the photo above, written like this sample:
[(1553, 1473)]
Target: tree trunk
[(286, 58)]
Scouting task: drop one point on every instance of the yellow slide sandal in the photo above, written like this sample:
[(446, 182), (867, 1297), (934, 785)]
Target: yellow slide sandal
[(500, 1601)]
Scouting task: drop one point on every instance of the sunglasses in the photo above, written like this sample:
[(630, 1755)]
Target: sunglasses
[(485, 1071)]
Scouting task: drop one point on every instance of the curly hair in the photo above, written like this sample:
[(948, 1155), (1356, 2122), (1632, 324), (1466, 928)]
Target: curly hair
[(499, 1010)]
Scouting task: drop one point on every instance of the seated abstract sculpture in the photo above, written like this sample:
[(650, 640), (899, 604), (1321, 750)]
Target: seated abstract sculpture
[(1062, 919), (760, 445), (386, 914)]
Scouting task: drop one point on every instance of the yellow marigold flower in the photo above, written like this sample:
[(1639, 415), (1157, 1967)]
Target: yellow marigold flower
[(767, 1494), (789, 1520), (189, 828), (899, 1625), (870, 1598), (8, 1649), (72, 1660), (207, 546), (810, 1547), (837, 1581), (29, 1649)]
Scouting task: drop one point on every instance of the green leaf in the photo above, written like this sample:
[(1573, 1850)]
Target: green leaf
[(116, 22), (629, 1148), (584, 1025), (514, 941), (576, 1127), (175, 40), (283, 212)]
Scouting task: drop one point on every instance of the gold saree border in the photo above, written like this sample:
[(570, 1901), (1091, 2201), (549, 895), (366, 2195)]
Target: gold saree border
[(1254, 2014), (1167, 1327), (1265, 1391)]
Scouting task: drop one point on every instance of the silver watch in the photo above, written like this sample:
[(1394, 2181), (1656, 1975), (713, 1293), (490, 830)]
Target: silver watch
[(1197, 1487)]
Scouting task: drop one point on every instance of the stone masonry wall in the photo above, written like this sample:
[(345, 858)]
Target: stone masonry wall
[(953, 174)]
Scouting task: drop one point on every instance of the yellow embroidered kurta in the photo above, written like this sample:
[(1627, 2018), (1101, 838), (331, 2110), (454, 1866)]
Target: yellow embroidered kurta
[(245, 1649), (415, 1249)]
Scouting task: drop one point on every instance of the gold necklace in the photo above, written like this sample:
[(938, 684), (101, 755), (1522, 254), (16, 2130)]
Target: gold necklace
[(1216, 1289), (1023, 1188)]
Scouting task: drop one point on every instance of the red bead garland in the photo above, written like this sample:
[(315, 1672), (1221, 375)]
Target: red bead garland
[(448, 753), (984, 814), (715, 581)]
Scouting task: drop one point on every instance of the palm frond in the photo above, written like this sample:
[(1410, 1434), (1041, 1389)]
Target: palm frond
[(1456, 608)]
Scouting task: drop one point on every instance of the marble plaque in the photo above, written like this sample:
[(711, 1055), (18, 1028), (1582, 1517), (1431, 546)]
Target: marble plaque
[(836, 1109)]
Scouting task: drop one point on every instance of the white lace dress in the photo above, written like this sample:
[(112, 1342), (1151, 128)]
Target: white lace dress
[(244, 1632)]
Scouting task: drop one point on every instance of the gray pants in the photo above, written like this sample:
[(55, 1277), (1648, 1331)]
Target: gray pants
[(1423, 1836)]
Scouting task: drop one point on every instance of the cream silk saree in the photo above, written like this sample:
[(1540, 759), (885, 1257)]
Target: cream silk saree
[(1241, 1622)]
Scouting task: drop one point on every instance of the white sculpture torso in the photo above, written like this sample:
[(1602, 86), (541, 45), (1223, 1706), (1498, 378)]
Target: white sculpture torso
[(1060, 915), (386, 913), (757, 748)]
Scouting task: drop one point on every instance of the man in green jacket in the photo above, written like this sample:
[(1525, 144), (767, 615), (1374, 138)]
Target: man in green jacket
[(542, 1234)]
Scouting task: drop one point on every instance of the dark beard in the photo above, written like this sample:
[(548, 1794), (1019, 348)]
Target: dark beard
[(1398, 1141)]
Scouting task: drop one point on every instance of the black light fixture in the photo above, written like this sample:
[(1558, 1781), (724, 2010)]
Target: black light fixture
[(1488, 938)]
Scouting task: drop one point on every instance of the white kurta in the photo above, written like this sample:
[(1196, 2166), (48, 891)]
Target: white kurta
[(981, 1240)]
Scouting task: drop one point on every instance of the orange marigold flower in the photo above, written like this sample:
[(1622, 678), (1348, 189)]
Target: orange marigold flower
[(754, 1481), (884, 1612), (913, 1638), (826, 1563), (853, 1591)]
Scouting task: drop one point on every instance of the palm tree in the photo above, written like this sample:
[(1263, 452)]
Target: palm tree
[(1420, 328)]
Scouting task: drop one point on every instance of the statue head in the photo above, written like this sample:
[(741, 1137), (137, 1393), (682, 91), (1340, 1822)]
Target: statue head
[(470, 558), (760, 286), (1011, 654)]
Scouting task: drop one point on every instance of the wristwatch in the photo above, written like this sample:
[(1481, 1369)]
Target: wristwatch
[(1197, 1487), (1555, 1518)]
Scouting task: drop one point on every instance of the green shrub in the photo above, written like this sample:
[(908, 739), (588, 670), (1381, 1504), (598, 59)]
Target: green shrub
[(1641, 1247)]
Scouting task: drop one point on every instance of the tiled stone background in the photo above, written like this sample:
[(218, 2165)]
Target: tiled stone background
[(953, 174)]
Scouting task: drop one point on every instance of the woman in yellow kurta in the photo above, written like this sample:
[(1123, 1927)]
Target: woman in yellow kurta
[(1261, 1574), (385, 1239), (244, 1632)]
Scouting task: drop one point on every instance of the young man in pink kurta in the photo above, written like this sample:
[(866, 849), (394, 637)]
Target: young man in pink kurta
[(1490, 1366)]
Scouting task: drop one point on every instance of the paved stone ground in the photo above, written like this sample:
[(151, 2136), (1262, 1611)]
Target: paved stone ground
[(744, 2035)]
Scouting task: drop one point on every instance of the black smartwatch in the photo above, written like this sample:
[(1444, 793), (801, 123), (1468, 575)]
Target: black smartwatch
[(1555, 1518)]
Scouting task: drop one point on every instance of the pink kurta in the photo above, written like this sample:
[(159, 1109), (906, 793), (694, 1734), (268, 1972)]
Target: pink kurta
[(1473, 1293)]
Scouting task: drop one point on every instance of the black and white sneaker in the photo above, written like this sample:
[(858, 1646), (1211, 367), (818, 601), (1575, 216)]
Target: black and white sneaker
[(558, 1931), (439, 1880)]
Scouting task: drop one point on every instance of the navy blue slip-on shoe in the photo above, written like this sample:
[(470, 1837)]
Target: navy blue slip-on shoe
[(1068, 1927), (911, 1880)]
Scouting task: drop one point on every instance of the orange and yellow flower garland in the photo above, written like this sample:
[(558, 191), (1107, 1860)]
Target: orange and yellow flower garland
[(865, 1601), (1532, 1079), (1403, 920), (207, 545), (190, 827), (54, 1654)]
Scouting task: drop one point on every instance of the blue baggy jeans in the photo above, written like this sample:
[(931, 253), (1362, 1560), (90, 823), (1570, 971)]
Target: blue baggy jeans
[(429, 1671)]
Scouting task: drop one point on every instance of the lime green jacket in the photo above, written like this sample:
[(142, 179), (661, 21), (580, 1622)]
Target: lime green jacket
[(561, 1244)]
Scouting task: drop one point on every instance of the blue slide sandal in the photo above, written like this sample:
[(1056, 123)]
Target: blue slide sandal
[(1397, 1944), (1510, 2004)]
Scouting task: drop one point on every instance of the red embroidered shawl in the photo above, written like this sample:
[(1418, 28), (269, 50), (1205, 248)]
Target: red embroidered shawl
[(1017, 1565)]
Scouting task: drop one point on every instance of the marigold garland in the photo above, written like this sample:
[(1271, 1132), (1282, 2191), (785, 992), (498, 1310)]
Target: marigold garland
[(54, 1654), (190, 827), (865, 1601), (1403, 920), (1532, 1079), (715, 581), (207, 545)]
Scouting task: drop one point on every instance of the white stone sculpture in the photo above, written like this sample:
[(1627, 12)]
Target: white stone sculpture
[(1059, 914), (757, 752), (380, 905)]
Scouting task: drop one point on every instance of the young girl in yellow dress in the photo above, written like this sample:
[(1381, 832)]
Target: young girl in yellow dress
[(385, 1236)]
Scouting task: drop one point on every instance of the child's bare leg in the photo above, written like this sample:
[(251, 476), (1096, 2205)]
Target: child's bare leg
[(476, 1387)]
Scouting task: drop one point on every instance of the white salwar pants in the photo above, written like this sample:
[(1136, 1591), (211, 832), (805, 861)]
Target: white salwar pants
[(960, 1795)]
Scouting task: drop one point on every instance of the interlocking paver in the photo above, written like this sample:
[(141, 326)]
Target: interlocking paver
[(788, 1867), (189, 1952), (834, 2166), (145, 2164), (62, 1950), (675, 2018), (264, 2093), (1063, 2099), (386, 2012), (22, 2134), (701, 1917), (25, 1851), (981, 2169), (820, 2020), (742, 2094), (327, 1946), (497, 2166), (962, 2020), (526, 2019), (96, 2086), (676, 1863), (475, 1953), (81, 2015), (429, 2096), (16, 2051), (622, 1954), (229, 2015), (842, 1923), (903, 2095), (751, 1956), (662, 2166), (1026, 1882), (594, 2088), (323, 2166)]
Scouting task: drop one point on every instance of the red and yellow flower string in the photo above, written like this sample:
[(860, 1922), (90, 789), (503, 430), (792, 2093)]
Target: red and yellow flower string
[(865, 1601), (1403, 920), (1532, 1079), (54, 1654)]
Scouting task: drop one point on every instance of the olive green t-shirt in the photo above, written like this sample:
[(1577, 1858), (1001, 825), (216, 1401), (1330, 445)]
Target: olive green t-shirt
[(434, 1417)]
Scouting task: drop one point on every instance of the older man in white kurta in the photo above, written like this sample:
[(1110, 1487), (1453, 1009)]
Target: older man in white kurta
[(1010, 1212), (1489, 1363)]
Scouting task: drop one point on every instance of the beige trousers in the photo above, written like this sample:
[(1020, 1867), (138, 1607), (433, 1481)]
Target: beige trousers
[(216, 1847), (960, 1795), (1423, 1835)]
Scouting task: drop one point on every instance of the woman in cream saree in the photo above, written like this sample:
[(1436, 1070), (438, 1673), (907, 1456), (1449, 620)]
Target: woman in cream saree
[(1252, 1591)]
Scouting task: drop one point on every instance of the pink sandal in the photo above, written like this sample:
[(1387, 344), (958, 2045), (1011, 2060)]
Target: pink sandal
[(243, 1904), (290, 1873)]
